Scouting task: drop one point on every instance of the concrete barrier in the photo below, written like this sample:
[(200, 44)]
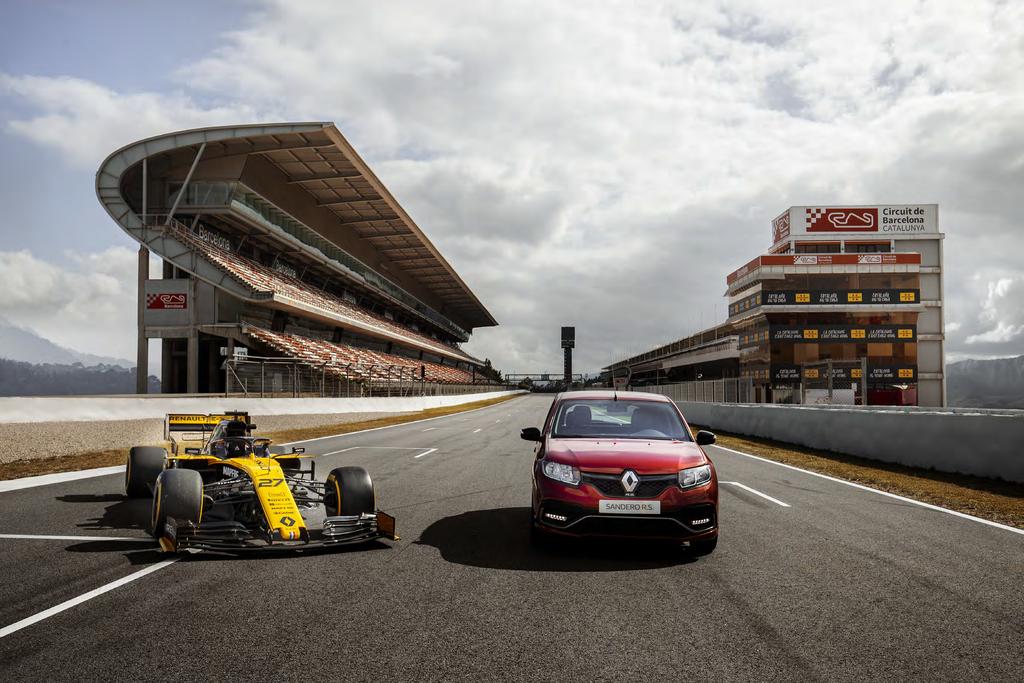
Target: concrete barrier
[(101, 408), (986, 443)]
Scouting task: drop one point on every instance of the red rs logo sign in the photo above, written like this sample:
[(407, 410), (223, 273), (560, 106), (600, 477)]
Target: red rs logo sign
[(842, 220), (166, 301)]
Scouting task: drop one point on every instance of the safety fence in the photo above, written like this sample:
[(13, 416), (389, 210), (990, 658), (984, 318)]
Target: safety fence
[(710, 391), (285, 377), (820, 383)]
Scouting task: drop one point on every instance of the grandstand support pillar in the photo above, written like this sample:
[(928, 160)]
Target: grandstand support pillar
[(142, 351), (184, 185), (192, 357)]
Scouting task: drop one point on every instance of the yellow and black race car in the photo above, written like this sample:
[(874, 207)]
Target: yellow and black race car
[(232, 493)]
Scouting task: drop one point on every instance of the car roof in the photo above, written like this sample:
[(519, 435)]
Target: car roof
[(604, 394)]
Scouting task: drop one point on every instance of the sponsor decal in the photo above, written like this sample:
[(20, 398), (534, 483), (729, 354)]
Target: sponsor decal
[(167, 301), (869, 258), (826, 219), (823, 297), (790, 374), (843, 333)]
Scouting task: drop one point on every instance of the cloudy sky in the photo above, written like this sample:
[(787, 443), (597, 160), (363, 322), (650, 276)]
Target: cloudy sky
[(602, 163)]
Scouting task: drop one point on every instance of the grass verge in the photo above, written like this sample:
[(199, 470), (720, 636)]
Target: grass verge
[(992, 499), (82, 461)]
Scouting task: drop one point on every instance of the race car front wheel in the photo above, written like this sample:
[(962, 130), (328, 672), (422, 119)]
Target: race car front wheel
[(179, 494), (349, 491), (145, 463)]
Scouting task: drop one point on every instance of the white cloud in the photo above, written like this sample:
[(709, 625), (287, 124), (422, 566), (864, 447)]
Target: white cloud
[(87, 306), (606, 164), (87, 121), (1002, 314)]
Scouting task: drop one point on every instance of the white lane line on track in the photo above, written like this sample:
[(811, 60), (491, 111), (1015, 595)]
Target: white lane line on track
[(43, 537), (879, 492), (430, 429), (68, 604), (757, 493), (497, 421), (44, 479), (426, 452), (477, 430), (383, 448), (343, 450), (400, 424)]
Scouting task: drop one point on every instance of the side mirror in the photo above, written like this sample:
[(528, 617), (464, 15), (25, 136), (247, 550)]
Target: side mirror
[(192, 451), (705, 438), (530, 434), (298, 449)]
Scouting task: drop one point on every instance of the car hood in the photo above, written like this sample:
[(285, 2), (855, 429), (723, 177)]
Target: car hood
[(611, 456)]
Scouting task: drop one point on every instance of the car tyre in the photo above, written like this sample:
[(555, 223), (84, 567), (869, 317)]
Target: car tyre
[(704, 546), (178, 494), (145, 463), (349, 491)]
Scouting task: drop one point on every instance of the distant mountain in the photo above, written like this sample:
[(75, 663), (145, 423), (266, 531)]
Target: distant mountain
[(20, 344), (48, 379), (996, 383)]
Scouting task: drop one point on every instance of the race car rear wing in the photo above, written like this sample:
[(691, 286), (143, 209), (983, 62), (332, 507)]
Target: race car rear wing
[(200, 422)]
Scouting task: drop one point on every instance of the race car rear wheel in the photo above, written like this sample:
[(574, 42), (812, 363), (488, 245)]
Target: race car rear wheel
[(145, 463), (178, 494), (349, 491)]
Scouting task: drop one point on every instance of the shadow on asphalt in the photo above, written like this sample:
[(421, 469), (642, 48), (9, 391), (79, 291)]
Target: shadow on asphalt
[(500, 539), (123, 513)]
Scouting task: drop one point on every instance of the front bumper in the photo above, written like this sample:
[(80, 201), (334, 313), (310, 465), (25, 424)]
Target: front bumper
[(573, 511), (234, 536)]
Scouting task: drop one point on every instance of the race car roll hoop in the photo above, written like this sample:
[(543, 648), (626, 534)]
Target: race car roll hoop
[(232, 492)]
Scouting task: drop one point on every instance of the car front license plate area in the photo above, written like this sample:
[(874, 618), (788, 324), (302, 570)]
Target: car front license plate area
[(629, 507)]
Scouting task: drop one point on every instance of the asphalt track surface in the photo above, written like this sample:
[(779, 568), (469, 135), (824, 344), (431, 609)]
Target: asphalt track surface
[(843, 584)]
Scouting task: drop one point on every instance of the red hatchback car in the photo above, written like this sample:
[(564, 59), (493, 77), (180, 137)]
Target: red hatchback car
[(623, 464)]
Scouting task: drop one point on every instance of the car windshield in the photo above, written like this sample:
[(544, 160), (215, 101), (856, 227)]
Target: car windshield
[(619, 419)]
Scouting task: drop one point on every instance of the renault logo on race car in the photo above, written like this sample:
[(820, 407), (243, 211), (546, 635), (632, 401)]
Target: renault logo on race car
[(287, 521), (629, 481)]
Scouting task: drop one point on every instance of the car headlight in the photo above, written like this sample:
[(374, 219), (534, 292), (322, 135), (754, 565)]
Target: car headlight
[(694, 476), (563, 473)]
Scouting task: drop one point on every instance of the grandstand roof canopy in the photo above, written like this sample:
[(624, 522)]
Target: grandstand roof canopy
[(317, 158)]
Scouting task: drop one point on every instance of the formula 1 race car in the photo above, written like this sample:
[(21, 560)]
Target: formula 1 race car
[(232, 493)]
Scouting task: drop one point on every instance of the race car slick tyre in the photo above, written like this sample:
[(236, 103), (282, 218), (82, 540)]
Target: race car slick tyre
[(145, 463), (178, 494), (704, 547), (349, 491)]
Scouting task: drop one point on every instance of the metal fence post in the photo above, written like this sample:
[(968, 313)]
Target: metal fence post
[(864, 381)]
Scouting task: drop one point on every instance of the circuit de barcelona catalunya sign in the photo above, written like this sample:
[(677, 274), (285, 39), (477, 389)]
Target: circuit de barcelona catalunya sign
[(890, 220)]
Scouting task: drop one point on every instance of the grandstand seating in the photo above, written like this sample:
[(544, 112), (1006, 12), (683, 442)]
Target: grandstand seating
[(355, 363), (265, 279)]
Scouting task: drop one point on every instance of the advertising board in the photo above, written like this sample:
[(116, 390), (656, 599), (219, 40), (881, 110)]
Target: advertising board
[(885, 220)]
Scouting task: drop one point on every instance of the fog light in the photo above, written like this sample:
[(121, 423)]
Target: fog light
[(557, 518), (704, 520)]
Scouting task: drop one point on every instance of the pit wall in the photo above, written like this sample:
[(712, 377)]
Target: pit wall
[(986, 443), (103, 408)]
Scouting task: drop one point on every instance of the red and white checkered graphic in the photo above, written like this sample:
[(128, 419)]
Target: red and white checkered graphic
[(828, 219), (166, 301)]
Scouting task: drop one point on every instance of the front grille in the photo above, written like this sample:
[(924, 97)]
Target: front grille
[(650, 486)]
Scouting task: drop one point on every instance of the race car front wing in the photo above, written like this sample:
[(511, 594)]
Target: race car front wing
[(235, 536)]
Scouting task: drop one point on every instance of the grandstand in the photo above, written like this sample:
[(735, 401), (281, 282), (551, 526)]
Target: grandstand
[(278, 241)]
